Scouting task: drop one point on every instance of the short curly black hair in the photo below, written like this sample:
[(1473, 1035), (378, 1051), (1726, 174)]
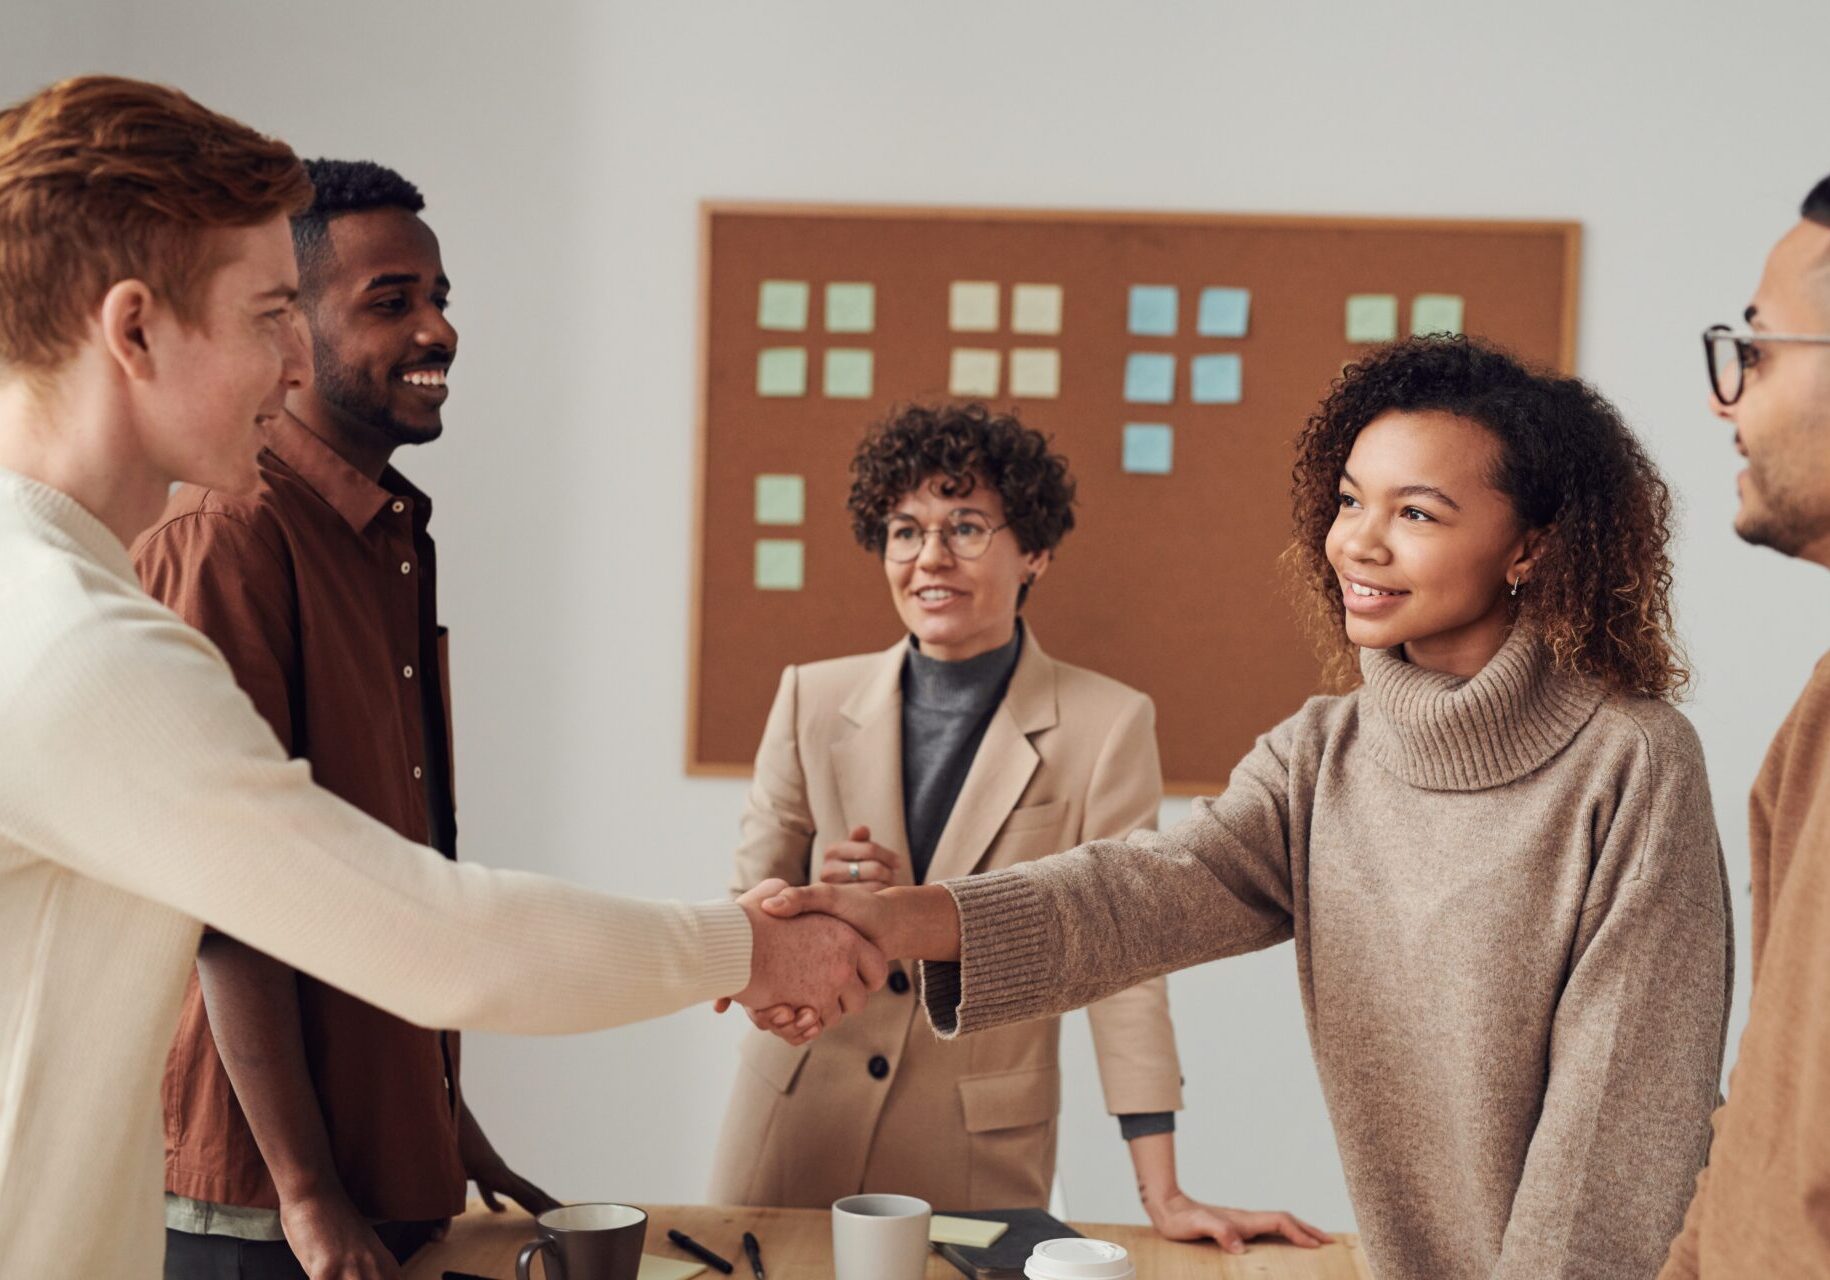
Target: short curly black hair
[(964, 445), (344, 186), (1600, 596)]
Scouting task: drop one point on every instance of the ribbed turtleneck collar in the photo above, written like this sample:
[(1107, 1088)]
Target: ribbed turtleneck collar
[(59, 517), (1454, 733), (975, 684)]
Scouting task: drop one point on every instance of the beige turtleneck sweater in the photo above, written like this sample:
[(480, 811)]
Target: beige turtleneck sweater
[(141, 794), (1512, 938)]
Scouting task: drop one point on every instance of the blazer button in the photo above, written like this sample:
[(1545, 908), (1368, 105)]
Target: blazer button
[(899, 983), (880, 1067)]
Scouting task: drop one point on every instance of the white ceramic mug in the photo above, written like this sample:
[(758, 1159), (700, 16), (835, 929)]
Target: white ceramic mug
[(877, 1237), (1074, 1258)]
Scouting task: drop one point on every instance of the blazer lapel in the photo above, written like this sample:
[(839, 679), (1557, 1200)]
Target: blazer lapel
[(1005, 763), (868, 761)]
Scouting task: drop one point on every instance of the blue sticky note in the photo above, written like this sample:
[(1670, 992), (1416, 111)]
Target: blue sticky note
[(1149, 448), (1224, 313), (1153, 310), (1150, 378), (1215, 379)]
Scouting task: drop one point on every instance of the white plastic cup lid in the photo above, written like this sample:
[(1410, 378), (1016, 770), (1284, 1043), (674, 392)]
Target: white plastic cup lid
[(1073, 1258)]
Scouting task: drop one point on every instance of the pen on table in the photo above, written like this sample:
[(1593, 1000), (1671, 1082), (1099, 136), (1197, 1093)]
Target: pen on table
[(753, 1252), (700, 1252), (463, 1275)]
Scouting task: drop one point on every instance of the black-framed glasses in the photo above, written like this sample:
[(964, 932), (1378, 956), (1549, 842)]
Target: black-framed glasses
[(1730, 353), (966, 534)]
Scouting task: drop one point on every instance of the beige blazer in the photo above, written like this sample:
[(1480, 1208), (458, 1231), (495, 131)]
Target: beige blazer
[(880, 1104)]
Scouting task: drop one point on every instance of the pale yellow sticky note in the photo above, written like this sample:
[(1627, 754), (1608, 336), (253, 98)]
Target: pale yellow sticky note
[(654, 1268), (974, 1233), (1035, 308), (1372, 317), (973, 372), (972, 306), (1035, 372)]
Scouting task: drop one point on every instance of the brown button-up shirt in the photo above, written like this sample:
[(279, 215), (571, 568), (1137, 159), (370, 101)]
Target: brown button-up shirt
[(319, 590)]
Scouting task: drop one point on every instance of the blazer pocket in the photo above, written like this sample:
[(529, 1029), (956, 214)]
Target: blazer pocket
[(774, 1059), (1011, 1099), (1034, 817)]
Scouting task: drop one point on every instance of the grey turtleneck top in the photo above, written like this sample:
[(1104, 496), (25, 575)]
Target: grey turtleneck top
[(946, 708)]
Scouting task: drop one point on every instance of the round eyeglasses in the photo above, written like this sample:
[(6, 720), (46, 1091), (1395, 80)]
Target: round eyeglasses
[(966, 534), (1731, 353)]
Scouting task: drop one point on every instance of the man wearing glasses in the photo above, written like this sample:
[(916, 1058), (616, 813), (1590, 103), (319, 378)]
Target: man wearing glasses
[(1763, 1205)]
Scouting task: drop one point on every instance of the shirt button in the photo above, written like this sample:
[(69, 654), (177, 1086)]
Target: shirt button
[(417, 773), (899, 983), (407, 672), (399, 506), (406, 566), (880, 1067)]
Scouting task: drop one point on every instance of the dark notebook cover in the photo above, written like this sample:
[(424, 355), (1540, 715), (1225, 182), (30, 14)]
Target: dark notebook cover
[(1007, 1254)]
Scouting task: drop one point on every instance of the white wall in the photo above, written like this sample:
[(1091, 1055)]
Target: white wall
[(563, 148)]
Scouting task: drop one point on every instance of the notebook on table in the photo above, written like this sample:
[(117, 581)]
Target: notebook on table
[(1005, 1256)]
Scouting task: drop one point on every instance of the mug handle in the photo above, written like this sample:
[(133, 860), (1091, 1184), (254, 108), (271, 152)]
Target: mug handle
[(525, 1259)]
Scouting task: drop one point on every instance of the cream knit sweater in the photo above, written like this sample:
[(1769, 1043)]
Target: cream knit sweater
[(142, 796), (1512, 938)]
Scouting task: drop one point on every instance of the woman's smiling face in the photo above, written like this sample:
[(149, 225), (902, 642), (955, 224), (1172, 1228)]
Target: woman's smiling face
[(1424, 546)]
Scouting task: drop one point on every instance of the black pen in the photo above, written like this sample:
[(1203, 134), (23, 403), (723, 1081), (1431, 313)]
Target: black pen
[(699, 1251), (753, 1252)]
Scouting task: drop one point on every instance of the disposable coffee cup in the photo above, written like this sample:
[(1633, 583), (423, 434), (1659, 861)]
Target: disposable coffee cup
[(880, 1237), (1074, 1258)]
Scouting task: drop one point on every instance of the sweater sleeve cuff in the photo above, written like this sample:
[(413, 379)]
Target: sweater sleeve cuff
[(1146, 1124), (724, 942), (1003, 974)]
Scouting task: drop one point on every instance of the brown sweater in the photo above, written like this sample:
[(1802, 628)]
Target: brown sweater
[(1512, 938), (1763, 1206)]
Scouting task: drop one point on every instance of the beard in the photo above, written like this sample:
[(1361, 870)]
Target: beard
[(359, 398), (1776, 517)]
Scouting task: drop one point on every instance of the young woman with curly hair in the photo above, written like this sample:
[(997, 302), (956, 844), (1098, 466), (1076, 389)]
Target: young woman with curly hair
[(963, 747), (1496, 855)]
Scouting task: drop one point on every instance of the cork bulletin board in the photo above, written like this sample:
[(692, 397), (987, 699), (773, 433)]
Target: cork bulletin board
[(1173, 358)]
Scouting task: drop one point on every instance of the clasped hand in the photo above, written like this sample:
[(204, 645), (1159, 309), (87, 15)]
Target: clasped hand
[(807, 969)]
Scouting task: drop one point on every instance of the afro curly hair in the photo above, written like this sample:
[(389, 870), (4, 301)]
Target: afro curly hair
[(1600, 596)]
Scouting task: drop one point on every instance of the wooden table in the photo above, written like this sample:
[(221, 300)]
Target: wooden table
[(797, 1245)]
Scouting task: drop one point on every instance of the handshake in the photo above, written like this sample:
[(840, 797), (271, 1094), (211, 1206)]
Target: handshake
[(818, 951)]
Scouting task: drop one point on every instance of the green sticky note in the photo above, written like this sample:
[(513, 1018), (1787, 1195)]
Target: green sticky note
[(779, 565), (851, 308), (1372, 317), (781, 371), (1436, 313), (848, 373), (781, 499), (782, 304)]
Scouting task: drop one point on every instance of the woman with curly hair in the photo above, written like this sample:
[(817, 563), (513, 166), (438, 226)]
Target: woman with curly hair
[(963, 747), (1496, 855)]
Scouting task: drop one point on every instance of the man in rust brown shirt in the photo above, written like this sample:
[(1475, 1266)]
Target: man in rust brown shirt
[(306, 1133)]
